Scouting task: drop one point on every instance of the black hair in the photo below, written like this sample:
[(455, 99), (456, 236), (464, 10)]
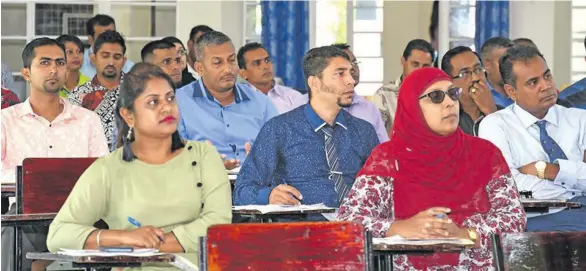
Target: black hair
[(70, 38), (99, 19), (28, 53), (494, 43), (173, 40), (421, 45), (207, 39), (512, 55), (524, 41), (342, 46), (317, 59), (109, 36), (245, 49), (199, 28), (150, 47), (584, 42), (447, 58), (132, 86)]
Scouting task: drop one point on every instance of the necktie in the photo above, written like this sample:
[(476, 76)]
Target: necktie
[(549, 145), (340, 186)]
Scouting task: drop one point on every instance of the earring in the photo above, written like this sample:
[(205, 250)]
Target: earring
[(129, 135)]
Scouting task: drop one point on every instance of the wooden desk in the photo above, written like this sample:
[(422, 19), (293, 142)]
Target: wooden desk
[(543, 206), (8, 190), (383, 253), (94, 262), (268, 217), (27, 220)]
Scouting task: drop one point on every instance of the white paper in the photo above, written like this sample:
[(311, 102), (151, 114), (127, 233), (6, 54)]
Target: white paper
[(233, 171), (398, 240), (542, 200), (184, 264), (271, 208), (232, 177), (139, 252), (331, 216)]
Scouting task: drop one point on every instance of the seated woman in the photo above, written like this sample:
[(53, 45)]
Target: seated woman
[(175, 189), (74, 53), (430, 169)]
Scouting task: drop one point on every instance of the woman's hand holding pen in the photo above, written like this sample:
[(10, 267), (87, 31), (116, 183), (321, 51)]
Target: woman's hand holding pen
[(431, 223), (285, 195), (144, 237)]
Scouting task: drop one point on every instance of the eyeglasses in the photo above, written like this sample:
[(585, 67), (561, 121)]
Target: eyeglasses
[(182, 52), (466, 74), (355, 63), (438, 96)]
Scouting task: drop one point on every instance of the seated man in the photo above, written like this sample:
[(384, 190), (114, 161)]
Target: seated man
[(44, 125), (256, 67), (465, 68), (418, 54), (360, 107), (491, 52), (165, 55), (215, 108), (543, 143), (312, 153)]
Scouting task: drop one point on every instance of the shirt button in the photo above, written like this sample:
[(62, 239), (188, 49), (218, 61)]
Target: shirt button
[(50, 125), (563, 183), (199, 184), (193, 163), (227, 125), (189, 148), (573, 193)]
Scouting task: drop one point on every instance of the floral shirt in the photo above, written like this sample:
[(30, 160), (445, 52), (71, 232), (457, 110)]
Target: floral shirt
[(370, 202), (9, 98), (385, 99)]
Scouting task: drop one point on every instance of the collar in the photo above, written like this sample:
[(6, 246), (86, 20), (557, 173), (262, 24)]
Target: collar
[(26, 109), (97, 84), (193, 72), (317, 123), (527, 119), (200, 90), (357, 99)]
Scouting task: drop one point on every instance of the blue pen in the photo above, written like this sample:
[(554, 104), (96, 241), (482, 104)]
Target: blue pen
[(138, 224)]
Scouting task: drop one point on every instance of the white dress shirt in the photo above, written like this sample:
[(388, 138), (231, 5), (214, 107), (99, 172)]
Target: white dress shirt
[(514, 132)]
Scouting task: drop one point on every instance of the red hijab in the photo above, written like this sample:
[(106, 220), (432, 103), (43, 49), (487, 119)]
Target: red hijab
[(430, 170)]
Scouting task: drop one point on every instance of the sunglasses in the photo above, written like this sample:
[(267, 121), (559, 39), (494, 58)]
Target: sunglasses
[(438, 96)]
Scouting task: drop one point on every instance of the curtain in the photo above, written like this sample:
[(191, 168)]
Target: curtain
[(285, 34), (492, 20)]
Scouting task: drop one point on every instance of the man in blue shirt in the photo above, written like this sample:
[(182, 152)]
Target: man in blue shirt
[(311, 154), (215, 108), (491, 52), (95, 27)]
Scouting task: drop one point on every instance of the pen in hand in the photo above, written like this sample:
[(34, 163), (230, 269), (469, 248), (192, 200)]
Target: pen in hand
[(138, 224)]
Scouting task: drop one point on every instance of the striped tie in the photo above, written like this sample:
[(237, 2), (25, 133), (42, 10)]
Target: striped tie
[(340, 186), (549, 145)]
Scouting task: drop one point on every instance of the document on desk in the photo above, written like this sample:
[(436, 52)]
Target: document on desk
[(398, 240), (184, 264), (523, 200), (139, 252), (233, 171), (272, 208)]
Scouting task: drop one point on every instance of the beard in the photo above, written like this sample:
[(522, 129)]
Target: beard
[(343, 105), (339, 99), (110, 73), (47, 87)]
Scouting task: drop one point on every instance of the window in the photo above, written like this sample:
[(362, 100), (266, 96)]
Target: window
[(578, 35), (462, 24), (252, 25)]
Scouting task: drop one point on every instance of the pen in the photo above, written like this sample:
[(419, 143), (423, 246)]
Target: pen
[(138, 224), (295, 197)]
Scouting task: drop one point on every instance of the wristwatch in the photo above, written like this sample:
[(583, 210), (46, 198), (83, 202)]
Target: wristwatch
[(472, 235), (540, 167)]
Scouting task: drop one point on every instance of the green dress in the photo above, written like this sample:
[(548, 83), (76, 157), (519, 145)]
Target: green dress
[(185, 195)]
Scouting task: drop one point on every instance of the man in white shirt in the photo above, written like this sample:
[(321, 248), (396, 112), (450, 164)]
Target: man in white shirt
[(543, 143)]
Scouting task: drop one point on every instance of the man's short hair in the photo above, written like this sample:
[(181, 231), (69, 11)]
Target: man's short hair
[(524, 41), (492, 44), (246, 48), (199, 28), (70, 38), (447, 58), (28, 53), (173, 40), (514, 54), (342, 46), (148, 50), (207, 39), (419, 44), (99, 19), (109, 36), (317, 60)]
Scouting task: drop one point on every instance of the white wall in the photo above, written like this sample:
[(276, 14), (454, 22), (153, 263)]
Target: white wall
[(548, 24)]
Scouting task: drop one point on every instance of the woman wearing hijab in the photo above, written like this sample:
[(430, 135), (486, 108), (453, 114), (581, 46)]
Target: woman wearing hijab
[(433, 181)]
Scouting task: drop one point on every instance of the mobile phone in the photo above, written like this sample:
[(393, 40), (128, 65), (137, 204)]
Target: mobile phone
[(116, 249)]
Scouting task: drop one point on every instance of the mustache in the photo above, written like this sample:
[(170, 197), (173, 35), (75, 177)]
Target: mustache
[(110, 66)]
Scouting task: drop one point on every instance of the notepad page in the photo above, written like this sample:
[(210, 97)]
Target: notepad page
[(140, 252), (398, 240), (282, 208)]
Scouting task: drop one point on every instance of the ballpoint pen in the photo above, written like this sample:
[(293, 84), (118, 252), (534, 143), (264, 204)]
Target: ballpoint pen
[(138, 224)]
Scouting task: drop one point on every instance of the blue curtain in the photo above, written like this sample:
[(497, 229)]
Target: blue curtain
[(285, 33), (492, 20)]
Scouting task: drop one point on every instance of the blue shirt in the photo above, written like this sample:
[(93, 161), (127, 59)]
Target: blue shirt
[(575, 94), (499, 99), (90, 71), (227, 127), (290, 149)]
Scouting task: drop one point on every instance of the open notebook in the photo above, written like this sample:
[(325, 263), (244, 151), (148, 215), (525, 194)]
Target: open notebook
[(139, 252), (272, 208), (398, 240)]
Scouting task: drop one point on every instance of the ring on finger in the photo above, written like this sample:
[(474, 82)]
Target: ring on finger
[(473, 90)]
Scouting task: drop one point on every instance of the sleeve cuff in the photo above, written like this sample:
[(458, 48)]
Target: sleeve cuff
[(263, 195), (185, 240), (566, 176)]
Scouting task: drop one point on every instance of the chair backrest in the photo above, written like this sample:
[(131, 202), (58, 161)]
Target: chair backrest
[(541, 251), (287, 246), (45, 183)]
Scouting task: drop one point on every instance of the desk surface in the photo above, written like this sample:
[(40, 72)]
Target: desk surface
[(27, 219), (165, 258), (398, 248), (292, 212), (8, 188), (550, 204)]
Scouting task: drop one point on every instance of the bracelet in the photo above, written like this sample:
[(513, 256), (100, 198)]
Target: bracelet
[(98, 238)]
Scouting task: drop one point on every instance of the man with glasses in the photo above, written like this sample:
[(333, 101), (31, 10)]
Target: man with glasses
[(256, 68), (186, 76), (164, 55), (476, 101), (360, 107)]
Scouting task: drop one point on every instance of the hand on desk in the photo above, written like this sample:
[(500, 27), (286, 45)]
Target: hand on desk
[(425, 225), (285, 195), (144, 237), (551, 170)]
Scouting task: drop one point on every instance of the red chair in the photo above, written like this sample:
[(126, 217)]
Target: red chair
[(287, 246)]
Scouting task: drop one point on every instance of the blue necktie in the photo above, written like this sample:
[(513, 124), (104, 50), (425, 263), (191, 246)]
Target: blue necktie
[(549, 145), (340, 186)]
